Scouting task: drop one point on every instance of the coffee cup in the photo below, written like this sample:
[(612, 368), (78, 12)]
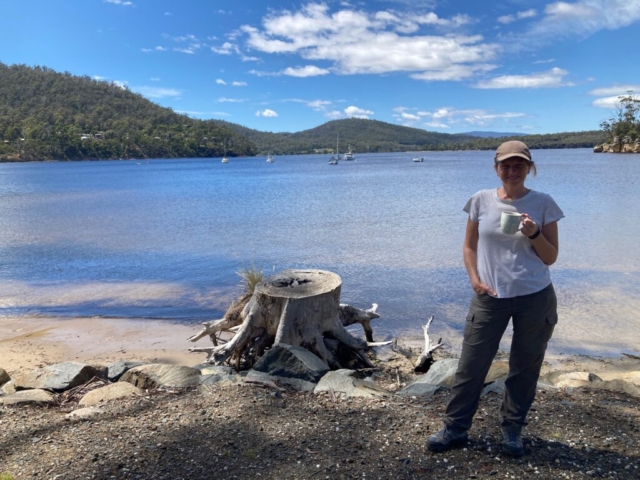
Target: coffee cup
[(510, 222)]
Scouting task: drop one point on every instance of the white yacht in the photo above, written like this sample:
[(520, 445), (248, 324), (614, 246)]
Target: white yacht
[(349, 155), (270, 159), (418, 159)]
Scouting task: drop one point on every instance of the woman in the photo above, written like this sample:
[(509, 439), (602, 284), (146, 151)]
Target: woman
[(510, 276)]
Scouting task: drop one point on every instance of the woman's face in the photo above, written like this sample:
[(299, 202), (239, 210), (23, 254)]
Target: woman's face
[(513, 171)]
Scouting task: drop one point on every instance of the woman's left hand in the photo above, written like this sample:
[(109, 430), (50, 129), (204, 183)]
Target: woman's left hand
[(529, 227)]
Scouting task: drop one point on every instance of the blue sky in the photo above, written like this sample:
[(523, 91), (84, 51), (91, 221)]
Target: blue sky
[(285, 66)]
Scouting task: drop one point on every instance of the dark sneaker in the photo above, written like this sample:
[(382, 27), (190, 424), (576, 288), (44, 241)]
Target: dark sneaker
[(445, 439), (512, 443)]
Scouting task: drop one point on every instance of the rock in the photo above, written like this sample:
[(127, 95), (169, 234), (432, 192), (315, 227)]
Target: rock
[(208, 369), (220, 379), (110, 392), (8, 388), (419, 388), (441, 373), (86, 413), (598, 148), (4, 377), (498, 371), (631, 377), (27, 397), (570, 379), (295, 383), (157, 375), (290, 361), (618, 385), (347, 384), (59, 377), (117, 369), (496, 387)]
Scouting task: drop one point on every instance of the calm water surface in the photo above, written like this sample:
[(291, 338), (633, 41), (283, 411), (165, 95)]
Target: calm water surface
[(165, 238)]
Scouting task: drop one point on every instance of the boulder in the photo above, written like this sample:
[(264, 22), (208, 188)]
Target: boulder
[(419, 388), (117, 369), (598, 148), (619, 385), (631, 377), (110, 392), (4, 377), (220, 379), (347, 384), (208, 369), (8, 388), (496, 387), (290, 361), (157, 375), (59, 377), (570, 379), (26, 397), (295, 383), (498, 371), (441, 372)]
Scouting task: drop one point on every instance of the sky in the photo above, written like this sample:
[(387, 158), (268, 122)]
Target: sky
[(284, 66)]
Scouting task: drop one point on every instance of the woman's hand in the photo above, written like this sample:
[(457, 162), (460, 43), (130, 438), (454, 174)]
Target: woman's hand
[(529, 227), (482, 288)]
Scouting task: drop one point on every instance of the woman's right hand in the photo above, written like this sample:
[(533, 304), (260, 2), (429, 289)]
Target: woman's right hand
[(482, 288)]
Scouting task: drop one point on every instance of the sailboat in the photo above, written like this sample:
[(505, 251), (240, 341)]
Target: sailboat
[(349, 155), (225, 159), (334, 159), (270, 158)]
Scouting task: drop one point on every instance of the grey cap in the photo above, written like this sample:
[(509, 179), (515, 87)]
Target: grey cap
[(512, 148)]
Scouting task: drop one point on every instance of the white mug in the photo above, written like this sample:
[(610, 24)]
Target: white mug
[(510, 222)]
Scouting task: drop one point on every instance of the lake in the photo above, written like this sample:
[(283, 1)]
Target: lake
[(165, 238)]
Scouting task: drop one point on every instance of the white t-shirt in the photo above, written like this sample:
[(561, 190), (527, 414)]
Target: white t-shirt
[(508, 263)]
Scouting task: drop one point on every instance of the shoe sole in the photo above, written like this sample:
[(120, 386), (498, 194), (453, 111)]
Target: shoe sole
[(439, 447)]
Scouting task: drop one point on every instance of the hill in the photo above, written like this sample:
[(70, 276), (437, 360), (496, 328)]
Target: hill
[(49, 115), (46, 115), (484, 134)]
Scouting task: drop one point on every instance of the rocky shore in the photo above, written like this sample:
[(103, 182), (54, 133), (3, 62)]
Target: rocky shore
[(291, 418)]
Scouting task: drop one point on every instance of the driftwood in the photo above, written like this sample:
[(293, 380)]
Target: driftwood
[(426, 358), (296, 307)]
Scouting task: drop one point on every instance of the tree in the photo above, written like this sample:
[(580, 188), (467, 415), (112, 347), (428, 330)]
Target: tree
[(626, 119)]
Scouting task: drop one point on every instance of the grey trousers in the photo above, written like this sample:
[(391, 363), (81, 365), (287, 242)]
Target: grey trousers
[(534, 318)]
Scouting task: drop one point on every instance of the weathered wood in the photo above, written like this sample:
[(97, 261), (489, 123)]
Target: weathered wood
[(296, 307), (426, 358)]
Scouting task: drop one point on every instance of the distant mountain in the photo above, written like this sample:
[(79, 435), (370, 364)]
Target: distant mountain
[(494, 134), (46, 115)]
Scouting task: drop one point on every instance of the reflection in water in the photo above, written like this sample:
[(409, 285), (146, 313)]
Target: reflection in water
[(165, 241)]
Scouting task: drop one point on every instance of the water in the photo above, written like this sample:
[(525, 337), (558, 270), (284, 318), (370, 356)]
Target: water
[(165, 238)]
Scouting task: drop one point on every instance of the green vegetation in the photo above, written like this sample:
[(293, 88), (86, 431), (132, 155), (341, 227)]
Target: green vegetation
[(46, 115), (626, 122), (6, 476)]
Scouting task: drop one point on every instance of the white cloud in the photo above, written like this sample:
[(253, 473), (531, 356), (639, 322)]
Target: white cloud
[(615, 90), (155, 79), (611, 95), (550, 79), (161, 49), (120, 84), (219, 81), (444, 117), (231, 100), (156, 49), (227, 48), (239, 84), (167, 14), (580, 19), (189, 50), (307, 71), (199, 114), (266, 113), (120, 2), (550, 60), (506, 19), (359, 42), (99, 78), (157, 92), (320, 105), (357, 112), (333, 114)]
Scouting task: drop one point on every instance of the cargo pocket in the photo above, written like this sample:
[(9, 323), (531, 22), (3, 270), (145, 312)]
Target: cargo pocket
[(552, 319), (470, 316)]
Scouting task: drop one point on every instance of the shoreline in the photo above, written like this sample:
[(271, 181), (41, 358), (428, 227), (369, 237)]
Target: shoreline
[(26, 344)]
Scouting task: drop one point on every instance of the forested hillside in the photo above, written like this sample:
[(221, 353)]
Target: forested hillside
[(46, 115), (49, 115)]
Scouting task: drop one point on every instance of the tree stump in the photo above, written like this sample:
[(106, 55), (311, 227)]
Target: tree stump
[(295, 307)]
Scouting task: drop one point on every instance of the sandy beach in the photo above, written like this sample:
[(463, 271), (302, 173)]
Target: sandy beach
[(27, 343)]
